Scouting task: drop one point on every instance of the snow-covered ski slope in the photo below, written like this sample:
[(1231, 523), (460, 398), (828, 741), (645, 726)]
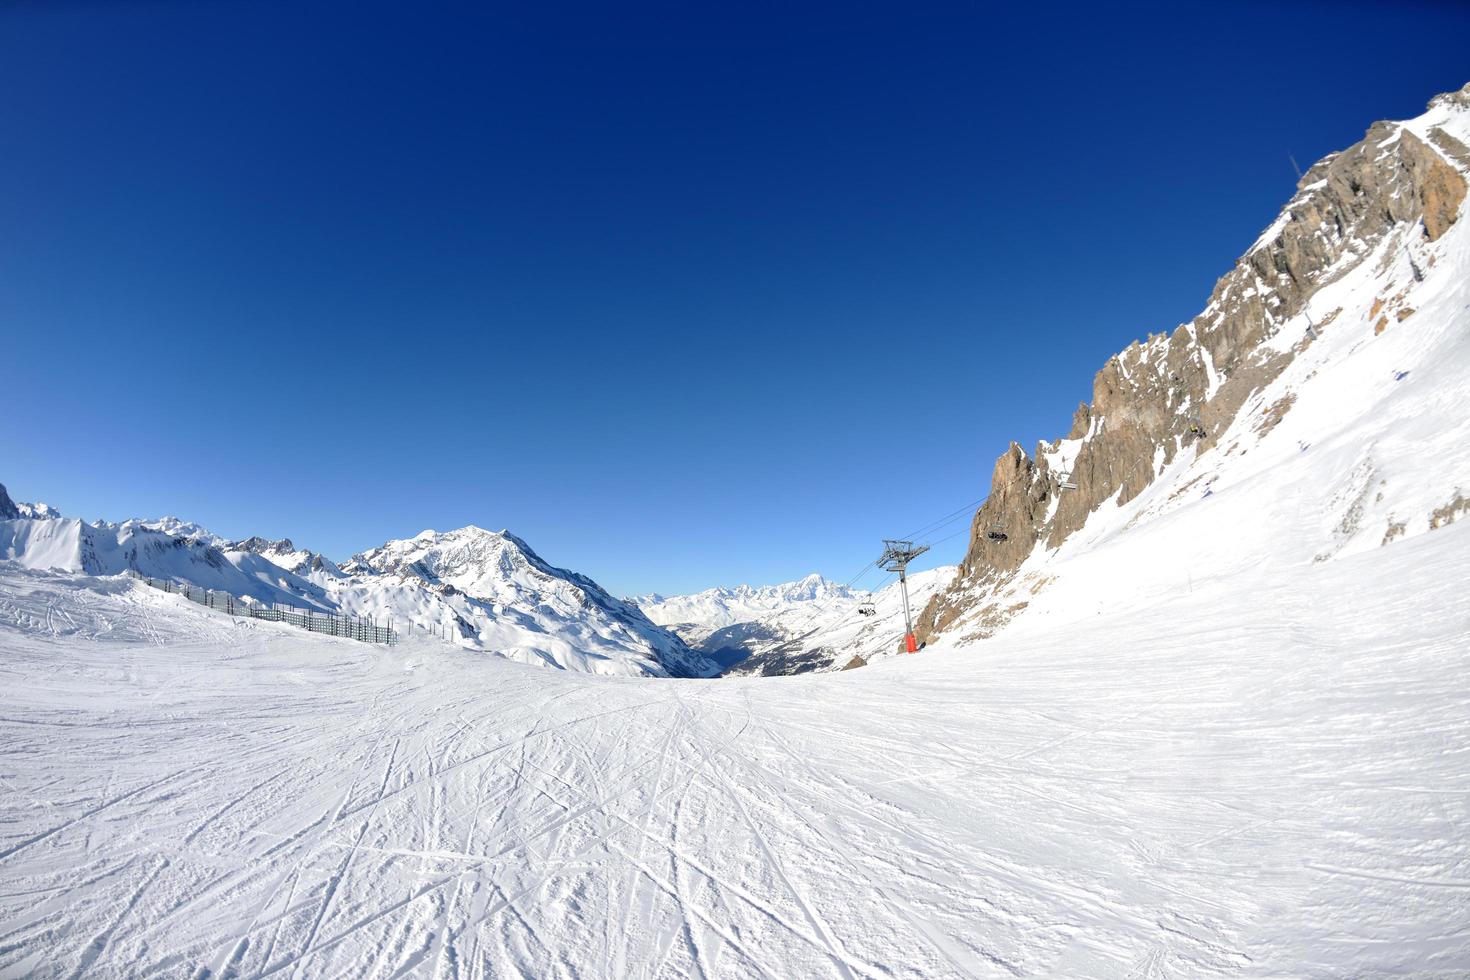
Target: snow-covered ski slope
[(1272, 780)]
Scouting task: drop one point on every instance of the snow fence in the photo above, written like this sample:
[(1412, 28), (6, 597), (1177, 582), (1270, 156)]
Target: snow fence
[(351, 627)]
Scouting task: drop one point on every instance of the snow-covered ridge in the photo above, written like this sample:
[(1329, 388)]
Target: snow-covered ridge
[(180, 528), (490, 590), (285, 554), (72, 545), (11, 509), (714, 608), (484, 590)]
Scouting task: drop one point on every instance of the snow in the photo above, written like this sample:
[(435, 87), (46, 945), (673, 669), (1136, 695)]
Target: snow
[(72, 545), (741, 604), (698, 614), (881, 634), (1202, 785), (43, 543), (796, 619), (180, 528), (487, 590)]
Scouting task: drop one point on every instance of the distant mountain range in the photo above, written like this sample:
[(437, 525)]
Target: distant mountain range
[(701, 613), (489, 590), (810, 624), (481, 589)]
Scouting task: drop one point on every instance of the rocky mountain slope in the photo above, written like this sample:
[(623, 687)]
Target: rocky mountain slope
[(1360, 278), (12, 509)]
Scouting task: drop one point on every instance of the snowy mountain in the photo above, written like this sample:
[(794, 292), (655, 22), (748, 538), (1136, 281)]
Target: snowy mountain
[(699, 614), (180, 528), (488, 589), (11, 509), (485, 590), (283, 553), (1314, 410), (792, 628), (69, 544), (718, 607), (831, 638)]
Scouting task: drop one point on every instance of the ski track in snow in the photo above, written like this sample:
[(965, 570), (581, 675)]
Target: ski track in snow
[(1245, 789)]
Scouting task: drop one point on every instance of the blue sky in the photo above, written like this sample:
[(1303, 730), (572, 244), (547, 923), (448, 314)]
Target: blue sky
[(682, 295)]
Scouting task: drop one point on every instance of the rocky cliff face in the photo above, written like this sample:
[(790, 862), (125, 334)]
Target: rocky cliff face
[(11, 510), (285, 554), (1403, 186)]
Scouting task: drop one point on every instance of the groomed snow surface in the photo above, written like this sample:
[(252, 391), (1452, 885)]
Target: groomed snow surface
[(1273, 783)]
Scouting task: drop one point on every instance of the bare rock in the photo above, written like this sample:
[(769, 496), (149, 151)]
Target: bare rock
[(1175, 393)]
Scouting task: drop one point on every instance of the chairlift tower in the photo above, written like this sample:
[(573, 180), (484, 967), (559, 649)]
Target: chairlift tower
[(895, 558)]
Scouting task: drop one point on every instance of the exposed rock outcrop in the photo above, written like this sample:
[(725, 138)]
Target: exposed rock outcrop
[(1173, 392), (13, 509)]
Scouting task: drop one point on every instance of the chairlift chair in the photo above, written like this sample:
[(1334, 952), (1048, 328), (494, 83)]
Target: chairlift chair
[(867, 609), (997, 532), (1195, 428), (1064, 480)]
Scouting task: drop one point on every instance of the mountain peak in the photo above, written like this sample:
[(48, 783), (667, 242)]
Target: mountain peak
[(473, 559), (14, 509), (726, 606), (469, 532), (177, 527)]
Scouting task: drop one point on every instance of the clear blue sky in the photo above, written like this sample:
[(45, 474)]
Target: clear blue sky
[(685, 295)]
